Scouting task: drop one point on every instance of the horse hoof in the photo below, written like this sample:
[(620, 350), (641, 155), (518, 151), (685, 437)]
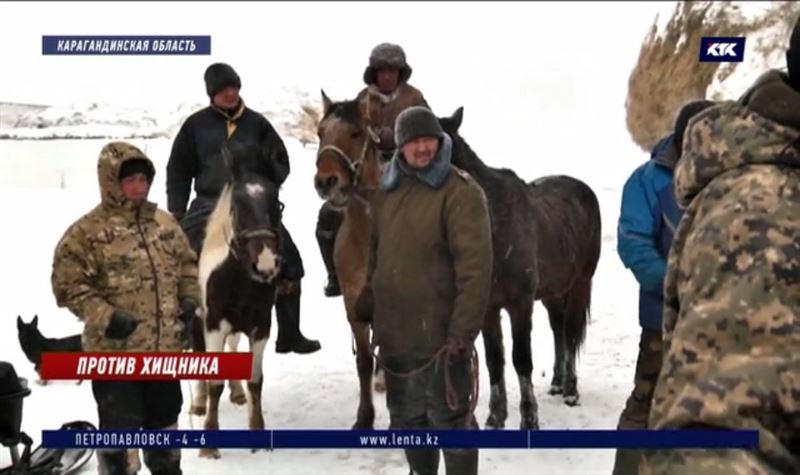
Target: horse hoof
[(240, 399), (209, 453), (555, 389), (494, 422), (362, 425), (529, 423), (572, 400), (197, 410)]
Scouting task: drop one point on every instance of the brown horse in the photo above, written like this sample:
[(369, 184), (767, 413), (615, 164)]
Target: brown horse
[(546, 240), (348, 171)]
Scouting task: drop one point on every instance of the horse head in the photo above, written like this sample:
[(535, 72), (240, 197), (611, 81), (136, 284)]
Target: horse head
[(347, 159), (255, 210)]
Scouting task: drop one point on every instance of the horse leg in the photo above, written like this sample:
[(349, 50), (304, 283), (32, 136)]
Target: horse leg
[(365, 417), (495, 362), (254, 386), (215, 342), (521, 314), (237, 395), (199, 398), (379, 383), (200, 393), (555, 311), (577, 319)]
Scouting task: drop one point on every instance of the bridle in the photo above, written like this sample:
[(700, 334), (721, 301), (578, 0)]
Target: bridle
[(352, 166), (239, 238)]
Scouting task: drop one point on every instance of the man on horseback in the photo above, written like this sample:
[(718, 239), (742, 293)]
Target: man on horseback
[(428, 284), (647, 224), (196, 156), (387, 94), (127, 271)]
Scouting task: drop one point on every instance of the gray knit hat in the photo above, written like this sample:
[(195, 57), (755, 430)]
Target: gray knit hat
[(387, 55), (415, 122)]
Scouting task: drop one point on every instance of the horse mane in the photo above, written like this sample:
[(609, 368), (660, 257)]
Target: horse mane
[(477, 166), (220, 224), (348, 111)]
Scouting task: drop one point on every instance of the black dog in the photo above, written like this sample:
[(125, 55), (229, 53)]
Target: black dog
[(33, 343)]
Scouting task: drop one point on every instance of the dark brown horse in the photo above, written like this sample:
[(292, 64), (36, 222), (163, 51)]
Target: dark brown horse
[(546, 240), (239, 263), (347, 176)]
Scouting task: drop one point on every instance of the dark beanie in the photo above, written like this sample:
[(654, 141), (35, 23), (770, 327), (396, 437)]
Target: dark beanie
[(793, 57), (218, 76), (137, 165), (688, 111), (415, 122)]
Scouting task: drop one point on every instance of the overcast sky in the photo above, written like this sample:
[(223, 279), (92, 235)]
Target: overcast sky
[(539, 66)]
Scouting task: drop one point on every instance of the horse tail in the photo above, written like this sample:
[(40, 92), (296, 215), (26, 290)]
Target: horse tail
[(579, 303)]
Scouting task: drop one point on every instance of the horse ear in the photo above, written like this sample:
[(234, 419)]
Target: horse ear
[(457, 117), (19, 321), (35, 321), (326, 103)]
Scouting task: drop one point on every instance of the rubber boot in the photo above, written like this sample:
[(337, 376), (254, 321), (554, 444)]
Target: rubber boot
[(287, 311)]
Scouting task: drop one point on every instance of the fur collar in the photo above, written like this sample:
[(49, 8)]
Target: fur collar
[(434, 175)]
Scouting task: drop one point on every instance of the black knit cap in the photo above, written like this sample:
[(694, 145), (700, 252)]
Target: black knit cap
[(218, 76), (415, 122), (137, 165), (689, 110)]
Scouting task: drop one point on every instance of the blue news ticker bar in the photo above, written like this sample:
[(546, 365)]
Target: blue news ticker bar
[(395, 439)]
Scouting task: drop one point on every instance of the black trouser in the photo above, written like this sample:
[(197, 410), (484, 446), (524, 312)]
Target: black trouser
[(637, 407), (139, 405), (419, 402)]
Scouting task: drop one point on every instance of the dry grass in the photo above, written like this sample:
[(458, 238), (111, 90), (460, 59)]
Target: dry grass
[(668, 73)]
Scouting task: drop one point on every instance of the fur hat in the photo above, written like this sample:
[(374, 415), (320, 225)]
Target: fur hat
[(387, 55), (415, 122), (218, 76), (134, 166), (689, 110)]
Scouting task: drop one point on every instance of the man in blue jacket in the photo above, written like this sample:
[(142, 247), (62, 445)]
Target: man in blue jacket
[(647, 223)]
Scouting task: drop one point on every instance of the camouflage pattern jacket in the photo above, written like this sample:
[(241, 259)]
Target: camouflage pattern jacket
[(732, 289), (120, 257)]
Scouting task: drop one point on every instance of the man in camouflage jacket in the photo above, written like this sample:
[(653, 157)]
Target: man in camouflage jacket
[(387, 94), (732, 289), (127, 271)]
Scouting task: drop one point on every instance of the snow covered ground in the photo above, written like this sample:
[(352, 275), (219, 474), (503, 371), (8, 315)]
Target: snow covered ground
[(543, 87), (314, 391)]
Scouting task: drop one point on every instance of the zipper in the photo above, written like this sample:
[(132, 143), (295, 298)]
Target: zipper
[(155, 275)]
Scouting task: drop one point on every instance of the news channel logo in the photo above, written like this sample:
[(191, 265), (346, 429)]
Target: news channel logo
[(105, 45), (717, 49)]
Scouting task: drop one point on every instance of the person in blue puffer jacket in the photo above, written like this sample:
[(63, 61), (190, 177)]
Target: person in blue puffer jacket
[(647, 222)]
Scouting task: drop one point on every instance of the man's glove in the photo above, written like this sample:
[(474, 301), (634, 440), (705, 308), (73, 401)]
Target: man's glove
[(187, 315), (365, 305), (121, 326), (460, 346), (188, 311), (386, 134)]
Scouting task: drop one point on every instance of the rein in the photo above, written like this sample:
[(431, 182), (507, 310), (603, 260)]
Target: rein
[(445, 353)]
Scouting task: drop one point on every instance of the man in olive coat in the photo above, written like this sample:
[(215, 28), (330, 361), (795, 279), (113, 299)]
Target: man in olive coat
[(429, 280)]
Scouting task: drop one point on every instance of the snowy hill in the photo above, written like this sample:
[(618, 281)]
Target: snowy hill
[(668, 73), (286, 110)]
